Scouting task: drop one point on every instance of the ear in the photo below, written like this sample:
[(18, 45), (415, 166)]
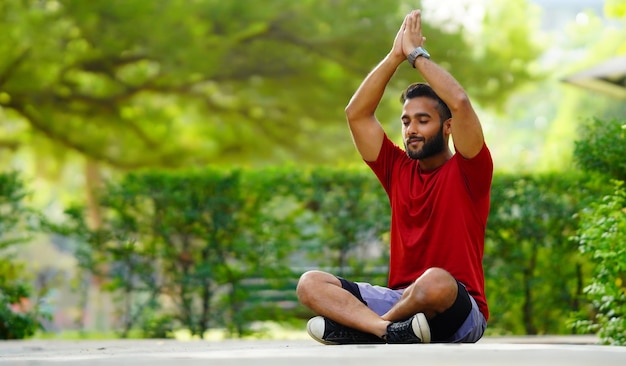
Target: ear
[(447, 126)]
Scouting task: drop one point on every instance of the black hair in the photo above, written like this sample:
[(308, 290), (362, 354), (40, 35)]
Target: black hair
[(424, 90)]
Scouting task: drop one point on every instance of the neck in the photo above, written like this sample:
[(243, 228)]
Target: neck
[(436, 161)]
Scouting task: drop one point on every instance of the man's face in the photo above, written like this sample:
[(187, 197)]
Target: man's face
[(422, 129)]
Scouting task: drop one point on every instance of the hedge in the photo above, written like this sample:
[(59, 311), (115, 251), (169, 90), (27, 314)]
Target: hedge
[(209, 248)]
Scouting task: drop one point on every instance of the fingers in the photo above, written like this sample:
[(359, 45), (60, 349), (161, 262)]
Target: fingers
[(396, 49), (415, 20), (411, 32), (418, 20), (414, 25), (410, 22)]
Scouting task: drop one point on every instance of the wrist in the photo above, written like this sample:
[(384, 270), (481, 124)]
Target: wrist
[(394, 55), (395, 58), (417, 53)]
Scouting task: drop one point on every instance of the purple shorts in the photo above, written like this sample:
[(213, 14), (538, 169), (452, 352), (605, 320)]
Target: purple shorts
[(381, 299)]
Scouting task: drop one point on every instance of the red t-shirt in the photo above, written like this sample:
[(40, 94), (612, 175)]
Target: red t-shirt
[(438, 217)]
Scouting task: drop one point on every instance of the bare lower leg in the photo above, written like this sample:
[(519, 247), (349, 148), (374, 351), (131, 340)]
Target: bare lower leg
[(322, 293)]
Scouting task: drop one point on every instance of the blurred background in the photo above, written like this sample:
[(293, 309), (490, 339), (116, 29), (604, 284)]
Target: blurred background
[(170, 167)]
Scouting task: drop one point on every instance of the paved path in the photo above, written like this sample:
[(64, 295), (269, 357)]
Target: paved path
[(489, 351)]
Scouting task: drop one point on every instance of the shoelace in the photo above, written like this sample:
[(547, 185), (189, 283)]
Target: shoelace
[(400, 332)]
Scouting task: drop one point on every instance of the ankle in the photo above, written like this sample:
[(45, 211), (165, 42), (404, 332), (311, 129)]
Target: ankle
[(381, 329)]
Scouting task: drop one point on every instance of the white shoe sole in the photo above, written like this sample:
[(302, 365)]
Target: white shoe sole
[(421, 328), (315, 327)]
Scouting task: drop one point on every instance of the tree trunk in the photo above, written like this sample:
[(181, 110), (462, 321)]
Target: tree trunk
[(93, 187), (528, 299)]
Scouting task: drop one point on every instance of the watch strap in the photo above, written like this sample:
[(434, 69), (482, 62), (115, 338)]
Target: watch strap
[(417, 52)]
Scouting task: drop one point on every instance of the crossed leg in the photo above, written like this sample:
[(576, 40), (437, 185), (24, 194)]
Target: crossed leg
[(432, 293)]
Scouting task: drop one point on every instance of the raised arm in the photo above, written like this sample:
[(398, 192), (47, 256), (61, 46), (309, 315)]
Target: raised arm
[(467, 132), (367, 132)]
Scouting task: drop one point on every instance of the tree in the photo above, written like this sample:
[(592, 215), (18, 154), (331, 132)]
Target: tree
[(126, 84), (171, 83), (574, 105)]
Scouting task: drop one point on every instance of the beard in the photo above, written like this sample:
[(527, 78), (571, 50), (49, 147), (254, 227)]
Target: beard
[(432, 147)]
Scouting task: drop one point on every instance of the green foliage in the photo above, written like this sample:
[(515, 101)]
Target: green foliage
[(603, 148), (17, 319), (136, 83), (542, 118), (209, 249), (602, 232), (14, 214), (20, 315), (601, 237), (353, 213), (219, 246), (189, 239), (505, 50), (531, 219), (157, 326)]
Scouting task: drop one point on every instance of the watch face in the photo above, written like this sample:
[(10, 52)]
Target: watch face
[(419, 51)]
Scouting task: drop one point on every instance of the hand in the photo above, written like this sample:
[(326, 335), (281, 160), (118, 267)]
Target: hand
[(412, 34), (396, 50)]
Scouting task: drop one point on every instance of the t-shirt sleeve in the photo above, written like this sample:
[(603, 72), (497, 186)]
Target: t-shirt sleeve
[(384, 164), (478, 172)]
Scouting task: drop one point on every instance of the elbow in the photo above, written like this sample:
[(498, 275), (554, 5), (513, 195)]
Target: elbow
[(351, 114), (350, 111), (354, 113), (460, 101)]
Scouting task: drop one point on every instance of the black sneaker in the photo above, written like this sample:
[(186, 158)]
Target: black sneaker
[(327, 331), (413, 330)]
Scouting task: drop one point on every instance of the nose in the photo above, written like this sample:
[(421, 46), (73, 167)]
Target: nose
[(411, 128)]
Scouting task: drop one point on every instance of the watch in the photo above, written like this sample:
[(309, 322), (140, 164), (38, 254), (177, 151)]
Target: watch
[(417, 52)]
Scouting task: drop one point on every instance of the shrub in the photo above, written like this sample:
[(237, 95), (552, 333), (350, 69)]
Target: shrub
[(19, 314), (602, 236)]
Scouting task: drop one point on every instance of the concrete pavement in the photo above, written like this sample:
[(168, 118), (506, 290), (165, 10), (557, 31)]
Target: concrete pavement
[(535, 351)]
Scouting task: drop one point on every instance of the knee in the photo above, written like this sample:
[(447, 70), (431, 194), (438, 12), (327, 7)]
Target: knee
[(436, 288), (439, 277), (308, 283)]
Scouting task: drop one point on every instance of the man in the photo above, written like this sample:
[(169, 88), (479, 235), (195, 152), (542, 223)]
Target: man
[(439, 203)]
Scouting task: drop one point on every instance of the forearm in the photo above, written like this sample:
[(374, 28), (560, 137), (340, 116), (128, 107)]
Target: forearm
[(443, 83), (369, 94), (466, 128)]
